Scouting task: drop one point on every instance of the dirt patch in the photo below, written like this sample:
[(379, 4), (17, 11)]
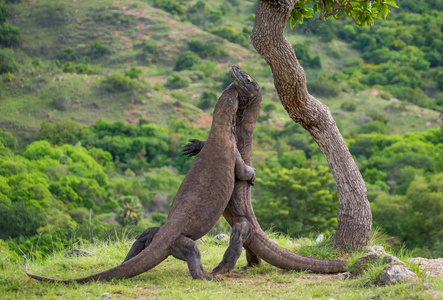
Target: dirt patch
[(204, 121), (133, 116), (127, 42)]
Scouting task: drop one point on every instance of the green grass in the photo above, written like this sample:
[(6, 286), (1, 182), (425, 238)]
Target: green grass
[(171, 279)]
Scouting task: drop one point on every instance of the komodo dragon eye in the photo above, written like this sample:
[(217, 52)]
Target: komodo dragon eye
[(250, 79)]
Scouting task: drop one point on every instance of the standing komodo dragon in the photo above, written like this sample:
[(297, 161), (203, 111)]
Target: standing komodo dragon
[(199, 203), (246, 231)]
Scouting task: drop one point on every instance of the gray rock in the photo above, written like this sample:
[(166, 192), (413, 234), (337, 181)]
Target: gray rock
[(393, 260), (374, 254), (376, 249), (78, 252), (344, 275), (393, 274), (221, 238), (105, 295)]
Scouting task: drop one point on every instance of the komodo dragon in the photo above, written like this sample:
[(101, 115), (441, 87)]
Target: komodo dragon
[(199, 203), (239, 213)]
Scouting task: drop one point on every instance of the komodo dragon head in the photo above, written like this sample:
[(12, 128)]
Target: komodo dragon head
[(247, 87)]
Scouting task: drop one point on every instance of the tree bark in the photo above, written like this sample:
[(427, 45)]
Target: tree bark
[(354, 216)]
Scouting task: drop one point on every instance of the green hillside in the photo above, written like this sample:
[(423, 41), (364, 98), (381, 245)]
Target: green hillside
[(97, 98), (71, 59)]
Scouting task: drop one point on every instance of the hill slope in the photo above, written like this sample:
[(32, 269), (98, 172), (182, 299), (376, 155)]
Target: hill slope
[(73, 57)]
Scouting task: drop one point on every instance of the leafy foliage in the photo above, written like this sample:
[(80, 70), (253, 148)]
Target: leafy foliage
[(361, 12), (7, 61)]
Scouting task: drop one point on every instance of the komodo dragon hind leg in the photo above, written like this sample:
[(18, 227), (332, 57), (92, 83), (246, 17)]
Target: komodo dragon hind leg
[(252, 260), (185, 249), (142, 242), (241, 232)]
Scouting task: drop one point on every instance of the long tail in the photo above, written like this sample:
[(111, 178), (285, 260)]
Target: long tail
[(288, 260), (154, 254)]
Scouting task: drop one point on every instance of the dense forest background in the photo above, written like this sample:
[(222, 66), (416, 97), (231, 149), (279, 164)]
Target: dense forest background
[(97, 98)]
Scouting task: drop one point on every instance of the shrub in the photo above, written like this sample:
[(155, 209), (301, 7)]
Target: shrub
[(439, 80), (68, 54), (172, 6), (348, 106), (373, 126), (63, 132), (186, 60), (55, 13), (118, 83), (7, 61), (3, 12), (133, 73), (9, 35), (177, 81), (207, 50), (208, 99), (150, 53), (18, 219), (304, 56), (62, 102), (97, 50), (323, 87), (231, 35), (8, 140), (70, 67)]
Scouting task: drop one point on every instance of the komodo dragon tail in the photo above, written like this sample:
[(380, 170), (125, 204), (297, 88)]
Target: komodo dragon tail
[(282, 258), (151, 256)]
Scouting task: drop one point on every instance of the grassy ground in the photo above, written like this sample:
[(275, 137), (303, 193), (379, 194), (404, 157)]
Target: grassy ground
[(171, 279)]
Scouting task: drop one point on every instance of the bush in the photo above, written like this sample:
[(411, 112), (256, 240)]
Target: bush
[(118, 83), (62, 102), (150, 53), (17, 219), (186, 60), (172, 6), (9, 35), (134, 73), (63, 132), (231, 35), (207, 50), (70, 67), (178, 81), (208, 100), (323, 87), (97, 50), (348, 106), (3, 12), (373, 126), (68, 54), (304, 57), (7, 61), (55, 13)]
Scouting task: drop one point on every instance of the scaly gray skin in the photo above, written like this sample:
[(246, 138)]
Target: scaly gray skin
[(246, 232), (199, 203)]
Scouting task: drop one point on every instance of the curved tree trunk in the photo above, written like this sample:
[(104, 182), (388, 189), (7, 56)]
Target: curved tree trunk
[(354, 216)]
